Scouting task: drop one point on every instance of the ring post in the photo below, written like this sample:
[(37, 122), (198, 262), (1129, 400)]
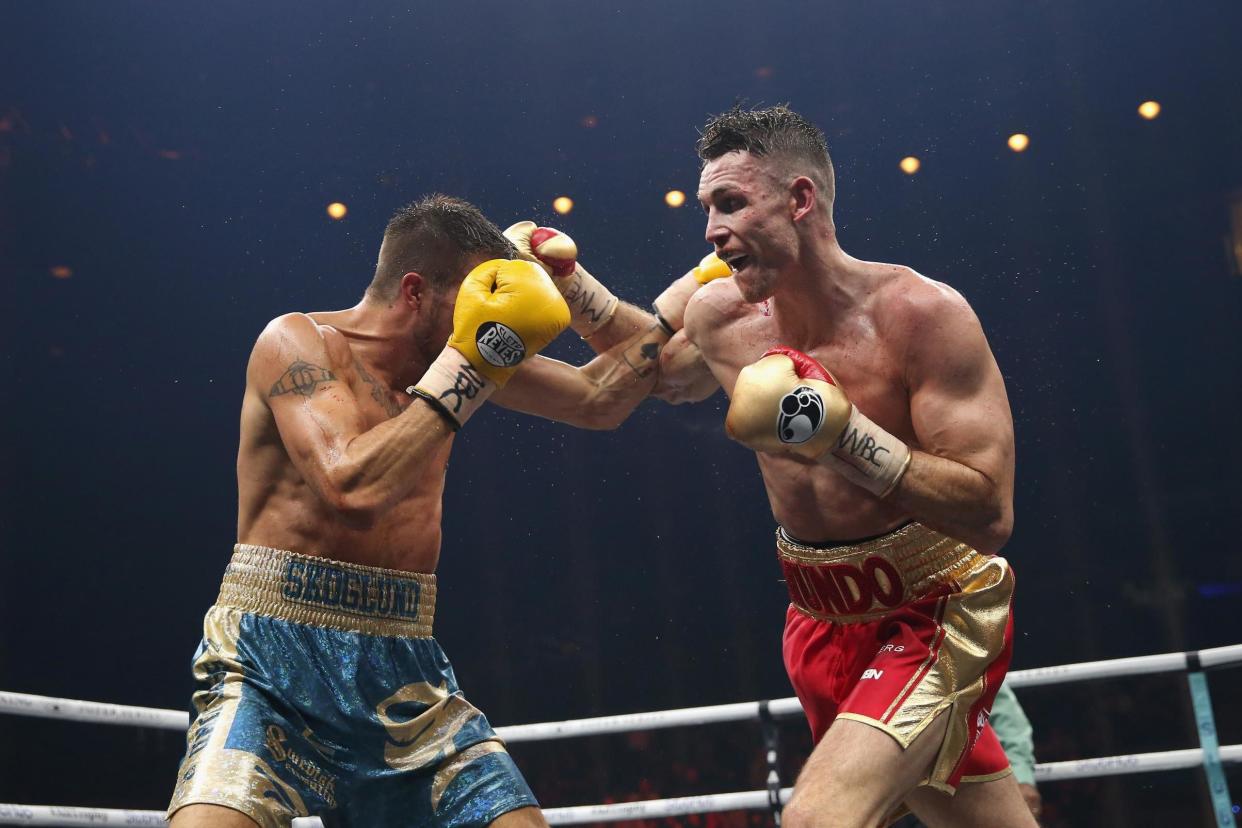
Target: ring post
[(1218, 788), (771, 744)]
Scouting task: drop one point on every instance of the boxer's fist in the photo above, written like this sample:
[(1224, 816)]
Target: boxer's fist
[(711, 267), (552, 249), (787, 402), (506, 312), (671, 304)]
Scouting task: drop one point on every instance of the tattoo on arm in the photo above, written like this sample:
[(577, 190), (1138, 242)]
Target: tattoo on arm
[(378, 392), (301, 378), (644, 355)]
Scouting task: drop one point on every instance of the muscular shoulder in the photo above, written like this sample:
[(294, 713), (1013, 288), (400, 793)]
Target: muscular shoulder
[(297, 337), (713, 306), (929, 323), (912, 307)]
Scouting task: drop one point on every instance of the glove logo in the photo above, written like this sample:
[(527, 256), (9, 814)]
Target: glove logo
[(499, 344), (802, 413)]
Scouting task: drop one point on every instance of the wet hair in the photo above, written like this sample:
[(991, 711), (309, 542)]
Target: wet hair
[(438, 237), (778, 133)]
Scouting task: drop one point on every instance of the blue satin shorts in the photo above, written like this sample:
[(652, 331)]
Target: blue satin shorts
[(320, 691)]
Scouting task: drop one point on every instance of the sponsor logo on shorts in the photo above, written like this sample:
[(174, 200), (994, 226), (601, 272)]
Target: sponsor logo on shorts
[(309, 774), (802, 413), (871, 673), (499, 344), (307, 582), (844, 589), (893, 648)]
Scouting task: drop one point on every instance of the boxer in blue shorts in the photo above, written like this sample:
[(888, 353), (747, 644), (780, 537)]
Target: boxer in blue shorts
[(319, 689)]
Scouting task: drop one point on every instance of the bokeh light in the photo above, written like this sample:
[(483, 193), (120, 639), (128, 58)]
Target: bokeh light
[(61, 271), (1019, 141), (674, 198), (1149, 110), (563, 204), (337, 210), (910, 165)]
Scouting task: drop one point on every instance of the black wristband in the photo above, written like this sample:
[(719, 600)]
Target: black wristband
[(437, 407), (668, 329)]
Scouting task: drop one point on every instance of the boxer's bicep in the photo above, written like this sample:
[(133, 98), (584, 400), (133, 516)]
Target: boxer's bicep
[(314, 408), (684, 374), (958, 405)]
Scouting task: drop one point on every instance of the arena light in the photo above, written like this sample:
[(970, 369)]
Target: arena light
[(337, 210), (61, 271), (674, 198), (910, 165), (1148, 110), (1019, 141), (563, 204)]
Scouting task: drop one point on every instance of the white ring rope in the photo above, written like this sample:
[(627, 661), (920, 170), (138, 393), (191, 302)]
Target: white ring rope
[(655, 808), (23, 704)]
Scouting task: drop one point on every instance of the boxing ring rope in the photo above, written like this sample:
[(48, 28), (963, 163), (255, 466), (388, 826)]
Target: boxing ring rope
[(1193, 662)]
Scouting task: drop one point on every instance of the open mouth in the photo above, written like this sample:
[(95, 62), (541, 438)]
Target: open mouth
[(736, 262)]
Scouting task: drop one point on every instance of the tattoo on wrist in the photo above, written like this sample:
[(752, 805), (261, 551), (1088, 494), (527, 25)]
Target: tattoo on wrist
[(301, 378), (466, 386)]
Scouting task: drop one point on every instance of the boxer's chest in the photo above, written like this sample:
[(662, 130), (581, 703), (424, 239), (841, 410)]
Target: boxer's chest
[(858, 357)]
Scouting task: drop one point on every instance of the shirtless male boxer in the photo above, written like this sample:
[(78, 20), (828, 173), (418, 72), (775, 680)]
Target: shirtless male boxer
[(885, 475), (319, 689)]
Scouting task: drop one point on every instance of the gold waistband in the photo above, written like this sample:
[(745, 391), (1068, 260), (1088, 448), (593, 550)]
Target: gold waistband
[(306, 589), (863, 581)]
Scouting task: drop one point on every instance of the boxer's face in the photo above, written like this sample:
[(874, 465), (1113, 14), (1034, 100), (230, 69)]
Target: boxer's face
[(748, 220)]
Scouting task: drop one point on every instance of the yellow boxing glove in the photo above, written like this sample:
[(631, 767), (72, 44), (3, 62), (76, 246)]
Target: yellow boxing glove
[(670, 306), (506, 312), (712, 267)]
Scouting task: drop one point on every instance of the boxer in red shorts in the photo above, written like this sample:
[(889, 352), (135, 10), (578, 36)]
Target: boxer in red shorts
[(883, 432)]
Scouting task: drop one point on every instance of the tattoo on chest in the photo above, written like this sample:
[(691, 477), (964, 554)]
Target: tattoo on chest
[(466, 386), (378, 392), (301, 378)]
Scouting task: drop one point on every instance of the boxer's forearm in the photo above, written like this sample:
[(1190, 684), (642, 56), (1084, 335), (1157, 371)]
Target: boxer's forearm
[(627, 322), (957, 500), (381, 466), (598, 395)]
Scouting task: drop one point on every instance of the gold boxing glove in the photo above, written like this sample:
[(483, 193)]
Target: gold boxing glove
[(506, 312), (591, 304), (787, 401)]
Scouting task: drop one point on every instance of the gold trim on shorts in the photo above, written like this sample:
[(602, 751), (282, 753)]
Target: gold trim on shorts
[(306, 589), (865, 581), (970, 636)]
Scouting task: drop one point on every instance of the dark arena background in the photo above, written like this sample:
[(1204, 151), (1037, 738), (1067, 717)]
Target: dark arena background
[(165, 177)]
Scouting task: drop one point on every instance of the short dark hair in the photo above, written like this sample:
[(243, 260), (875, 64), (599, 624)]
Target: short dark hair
[(777, 132), (437, 237)]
